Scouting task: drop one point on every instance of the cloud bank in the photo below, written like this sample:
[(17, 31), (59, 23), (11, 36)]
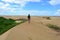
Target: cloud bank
[(54, 2), (57, 12), (21, 2), (5, 7)]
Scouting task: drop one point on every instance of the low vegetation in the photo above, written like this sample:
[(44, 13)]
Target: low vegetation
[(47, 18), (6, 24), (55, 27)]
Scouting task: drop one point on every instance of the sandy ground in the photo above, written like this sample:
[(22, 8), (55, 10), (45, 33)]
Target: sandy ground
[(4, 36), (36, 30)]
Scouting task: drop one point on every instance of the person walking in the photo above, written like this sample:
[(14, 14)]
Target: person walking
[(28, 18)]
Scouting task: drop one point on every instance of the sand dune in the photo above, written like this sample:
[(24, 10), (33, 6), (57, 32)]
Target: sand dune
[(36, 30)]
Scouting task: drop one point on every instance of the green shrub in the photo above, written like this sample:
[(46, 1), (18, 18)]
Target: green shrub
[(55, 27), (6, 24), (48, 18)]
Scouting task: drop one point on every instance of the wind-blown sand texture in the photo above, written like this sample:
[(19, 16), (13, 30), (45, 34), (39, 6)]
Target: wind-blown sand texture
[(36, 30)]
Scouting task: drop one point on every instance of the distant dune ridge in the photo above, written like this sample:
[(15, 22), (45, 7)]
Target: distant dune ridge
[(36, 30)]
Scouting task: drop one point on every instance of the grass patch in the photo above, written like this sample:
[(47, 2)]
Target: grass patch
[(47, 18), (55, 27), (6, 24)]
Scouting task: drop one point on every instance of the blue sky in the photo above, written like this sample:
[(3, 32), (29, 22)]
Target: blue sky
[(33, 7)]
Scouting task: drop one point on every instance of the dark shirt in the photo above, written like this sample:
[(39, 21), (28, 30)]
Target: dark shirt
[(28, 16)]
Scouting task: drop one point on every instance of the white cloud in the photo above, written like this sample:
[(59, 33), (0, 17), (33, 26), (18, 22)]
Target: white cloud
[(21, 2), (26, 12), (5, 8), (57, 13), (1, 5), (54, 2), (31, 12), (13, 11)]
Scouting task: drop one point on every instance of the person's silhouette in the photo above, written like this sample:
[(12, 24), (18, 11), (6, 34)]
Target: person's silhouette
[(28, 18)]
